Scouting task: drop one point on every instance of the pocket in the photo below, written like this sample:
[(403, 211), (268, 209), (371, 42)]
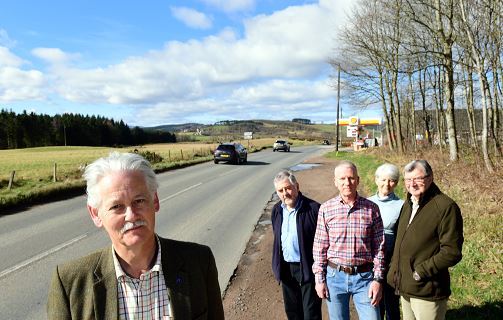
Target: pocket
[(366, 275), (331, 272)]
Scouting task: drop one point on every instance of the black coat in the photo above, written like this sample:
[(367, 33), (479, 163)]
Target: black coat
[(307, 218)]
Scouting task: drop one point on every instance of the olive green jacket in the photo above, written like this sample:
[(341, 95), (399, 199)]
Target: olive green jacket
[(87, 287), (429, 245)]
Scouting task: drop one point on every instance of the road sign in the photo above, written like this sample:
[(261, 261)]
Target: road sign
[(352, 131), (248, 135)]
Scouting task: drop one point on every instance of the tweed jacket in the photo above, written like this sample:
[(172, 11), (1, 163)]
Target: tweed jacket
[(429, 245), (87, 287)]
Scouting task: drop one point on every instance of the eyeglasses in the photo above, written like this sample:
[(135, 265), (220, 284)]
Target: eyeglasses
[(417, 180)]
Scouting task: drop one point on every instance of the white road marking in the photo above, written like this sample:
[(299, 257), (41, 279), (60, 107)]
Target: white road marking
[(180, 192), (41, 255)]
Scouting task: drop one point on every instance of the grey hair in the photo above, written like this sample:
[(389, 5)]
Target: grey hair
[(422, 164), (285, 175), (388, 170), (346, 163), (116, 162)]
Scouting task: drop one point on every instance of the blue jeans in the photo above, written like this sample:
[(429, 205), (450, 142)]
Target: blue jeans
[(341, 286)]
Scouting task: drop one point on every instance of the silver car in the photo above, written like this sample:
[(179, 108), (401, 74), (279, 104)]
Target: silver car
[(281, 145)]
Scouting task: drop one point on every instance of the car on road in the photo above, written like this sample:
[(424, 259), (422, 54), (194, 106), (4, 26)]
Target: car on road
[(281, 145), (232, 152)]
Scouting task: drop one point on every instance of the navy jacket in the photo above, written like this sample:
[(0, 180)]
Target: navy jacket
[(307, 218)]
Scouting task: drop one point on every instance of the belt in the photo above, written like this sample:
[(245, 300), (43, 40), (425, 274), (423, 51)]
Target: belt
[(352, 269)]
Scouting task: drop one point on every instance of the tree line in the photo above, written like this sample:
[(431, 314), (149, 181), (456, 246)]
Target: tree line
[(432, 56), (28, 130)]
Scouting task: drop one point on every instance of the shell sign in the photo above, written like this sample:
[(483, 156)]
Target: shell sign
[(354, 121)]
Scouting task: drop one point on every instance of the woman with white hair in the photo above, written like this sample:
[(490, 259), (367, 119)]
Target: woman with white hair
[(386, 179)]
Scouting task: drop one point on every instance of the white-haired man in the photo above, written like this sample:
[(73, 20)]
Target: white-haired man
[(141, 275)]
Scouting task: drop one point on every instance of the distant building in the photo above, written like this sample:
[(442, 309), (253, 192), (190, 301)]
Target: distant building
[(302, 121)]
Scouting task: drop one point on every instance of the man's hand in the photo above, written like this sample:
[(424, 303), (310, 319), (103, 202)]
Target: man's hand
[(375, 293), (322, 290)]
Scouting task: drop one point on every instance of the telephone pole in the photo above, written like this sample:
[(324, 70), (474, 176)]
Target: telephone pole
[(338, 98)]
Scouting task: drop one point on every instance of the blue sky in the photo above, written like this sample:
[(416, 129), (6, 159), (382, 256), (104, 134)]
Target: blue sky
[(164, 62)]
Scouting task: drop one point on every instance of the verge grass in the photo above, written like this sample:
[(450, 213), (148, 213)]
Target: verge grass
[(476, 281)]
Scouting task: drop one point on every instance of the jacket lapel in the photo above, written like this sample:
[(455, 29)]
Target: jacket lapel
[(105, 287), (177, 280)]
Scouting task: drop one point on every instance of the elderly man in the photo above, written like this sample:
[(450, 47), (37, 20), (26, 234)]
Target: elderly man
[(349, 249), (141, 275), (428, 241), (294, 224)]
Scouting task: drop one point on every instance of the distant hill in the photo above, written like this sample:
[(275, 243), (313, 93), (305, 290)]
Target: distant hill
[(176, 127), (234, 129)]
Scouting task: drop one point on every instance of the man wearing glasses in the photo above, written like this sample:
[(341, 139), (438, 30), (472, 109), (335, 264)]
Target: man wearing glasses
[(428, 241)]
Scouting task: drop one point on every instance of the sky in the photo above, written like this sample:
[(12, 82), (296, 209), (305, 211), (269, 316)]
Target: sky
[(156, 62)]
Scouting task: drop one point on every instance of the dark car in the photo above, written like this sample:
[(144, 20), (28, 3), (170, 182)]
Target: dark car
[(326, 142), (281, 145), (230, 152)]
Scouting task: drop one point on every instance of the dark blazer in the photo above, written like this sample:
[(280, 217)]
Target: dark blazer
[(307, 217), (87, 287)]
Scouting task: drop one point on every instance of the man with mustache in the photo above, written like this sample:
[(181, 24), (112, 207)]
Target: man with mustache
[(294, 224), (348, 249), (141, 275)]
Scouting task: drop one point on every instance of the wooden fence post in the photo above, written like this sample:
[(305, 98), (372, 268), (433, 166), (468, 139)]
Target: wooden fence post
[(11, 180), (181, 153), (54, 172), (169, 155)]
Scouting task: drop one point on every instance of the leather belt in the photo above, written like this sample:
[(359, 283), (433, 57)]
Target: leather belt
[(352, 269)]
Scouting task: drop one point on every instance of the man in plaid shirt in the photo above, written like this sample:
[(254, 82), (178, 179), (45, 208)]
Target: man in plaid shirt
[(348, 249)]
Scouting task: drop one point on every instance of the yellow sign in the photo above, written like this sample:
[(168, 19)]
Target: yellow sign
[(354, 121)]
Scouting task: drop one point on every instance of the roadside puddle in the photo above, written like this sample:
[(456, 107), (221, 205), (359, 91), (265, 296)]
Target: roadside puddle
[(304, 166)]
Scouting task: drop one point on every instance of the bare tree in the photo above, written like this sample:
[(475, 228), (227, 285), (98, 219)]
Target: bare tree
[(478, 56)]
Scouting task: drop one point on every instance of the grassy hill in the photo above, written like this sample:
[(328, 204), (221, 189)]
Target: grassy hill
[(234, 129)]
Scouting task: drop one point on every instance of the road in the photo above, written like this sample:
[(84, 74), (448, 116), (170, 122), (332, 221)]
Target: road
[(216, 205)]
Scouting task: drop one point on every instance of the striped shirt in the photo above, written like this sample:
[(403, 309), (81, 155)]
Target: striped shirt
[(145, 298), (349, 236)]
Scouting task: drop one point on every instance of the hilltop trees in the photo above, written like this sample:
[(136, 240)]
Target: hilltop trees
[(433, 56), (28, 130)]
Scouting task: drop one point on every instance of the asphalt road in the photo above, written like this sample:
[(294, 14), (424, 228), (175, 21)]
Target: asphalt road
[(216, 205)]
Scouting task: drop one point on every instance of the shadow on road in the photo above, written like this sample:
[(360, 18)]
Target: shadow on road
[(291, 151), (256, 163)]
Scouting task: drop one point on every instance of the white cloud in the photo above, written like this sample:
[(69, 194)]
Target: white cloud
[(19, 85), (231, 5), (284, 91), (7, 58), (53, 55), (191, 17), (5, 40), (293, 43)]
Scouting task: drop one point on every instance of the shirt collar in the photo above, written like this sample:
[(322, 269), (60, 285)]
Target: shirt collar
[(357, 200), (119, 272), (390, 196)]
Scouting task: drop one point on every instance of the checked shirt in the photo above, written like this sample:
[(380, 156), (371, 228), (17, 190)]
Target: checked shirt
[(145, 298), (348, 236)]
